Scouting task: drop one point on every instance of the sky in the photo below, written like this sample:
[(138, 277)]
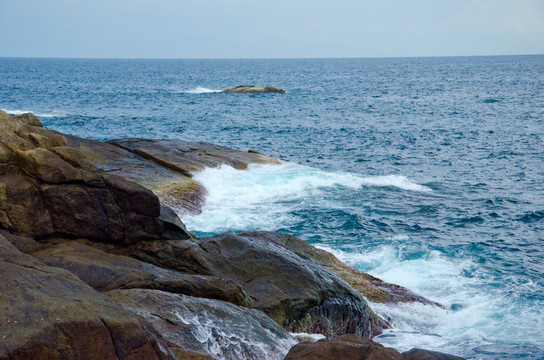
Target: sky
[(269, 29)]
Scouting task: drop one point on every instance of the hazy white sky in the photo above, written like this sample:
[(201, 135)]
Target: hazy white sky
[(269, 29)]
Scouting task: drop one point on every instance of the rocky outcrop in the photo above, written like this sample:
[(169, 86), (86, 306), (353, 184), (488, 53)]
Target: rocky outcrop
[(45, 189), (358, 348), (369, 286), (95, 265), (197, 328), (252, 89), (164, 166), (48, 313), (314, 301)]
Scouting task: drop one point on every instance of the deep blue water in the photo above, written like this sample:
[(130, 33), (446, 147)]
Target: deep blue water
[(426, 172)]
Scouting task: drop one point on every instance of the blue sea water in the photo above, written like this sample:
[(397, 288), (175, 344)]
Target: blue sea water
[(425, 172)]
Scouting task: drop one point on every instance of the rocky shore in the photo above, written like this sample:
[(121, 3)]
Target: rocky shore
[(94, 263)]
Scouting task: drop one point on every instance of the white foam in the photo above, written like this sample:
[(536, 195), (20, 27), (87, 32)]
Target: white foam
[(40, 114), (200, 90), (262, 196), (307, 337), (399, 181), (475, 312)]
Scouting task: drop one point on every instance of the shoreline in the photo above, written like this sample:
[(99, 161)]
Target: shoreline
[(125, 249)]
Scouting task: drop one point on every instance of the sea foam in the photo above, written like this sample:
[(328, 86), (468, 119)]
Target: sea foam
[(471, 315), (263, 196)]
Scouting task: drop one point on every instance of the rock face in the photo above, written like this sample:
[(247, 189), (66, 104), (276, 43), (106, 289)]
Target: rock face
[(252, 89), (314, 301), (45, 189), (370, 287), (357, 348), (203, 328), (48, 313)]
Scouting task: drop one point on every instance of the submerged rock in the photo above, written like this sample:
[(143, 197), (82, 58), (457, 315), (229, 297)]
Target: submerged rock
[(252, 89), (203, 328)]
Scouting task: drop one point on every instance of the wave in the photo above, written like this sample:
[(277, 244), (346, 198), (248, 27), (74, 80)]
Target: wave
[(264, 196), (399, 181), (200, 90), (40, 114), (475, 311)]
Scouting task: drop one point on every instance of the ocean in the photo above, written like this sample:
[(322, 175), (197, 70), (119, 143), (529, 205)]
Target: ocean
[(425, 172)]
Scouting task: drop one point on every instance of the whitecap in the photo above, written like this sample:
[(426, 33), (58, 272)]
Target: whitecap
[(398, 181), (200, 90)]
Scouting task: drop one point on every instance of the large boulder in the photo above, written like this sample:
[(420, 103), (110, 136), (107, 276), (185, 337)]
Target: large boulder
[(370, 287), (48, 188), (297, 293), (197, 328), (48, 313), (252, 89)]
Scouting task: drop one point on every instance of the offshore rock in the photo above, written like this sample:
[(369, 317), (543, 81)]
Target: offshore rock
[(370, 287), (48, 313), (197, 328), (313, 301), (252, 89)]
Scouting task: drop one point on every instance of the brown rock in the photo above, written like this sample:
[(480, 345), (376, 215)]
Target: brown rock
[(204, 328), (350, 347), (252, 89), (105, 272), (420, 354), (47, 189), (295, 292), (370, 287), (48, 313)]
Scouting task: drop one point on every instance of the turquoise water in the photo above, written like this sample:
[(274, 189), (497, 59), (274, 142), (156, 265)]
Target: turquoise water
[(425, 172)]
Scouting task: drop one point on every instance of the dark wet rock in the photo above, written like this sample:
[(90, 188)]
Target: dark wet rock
[(48, 313), (104, 272), (420, 354), (172, 227), (350, 347), (187, 157), (370, 287), (252, 89), (203, 328), (314, 300)]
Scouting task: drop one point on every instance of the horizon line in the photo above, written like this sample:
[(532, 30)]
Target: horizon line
[(262, 58)]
